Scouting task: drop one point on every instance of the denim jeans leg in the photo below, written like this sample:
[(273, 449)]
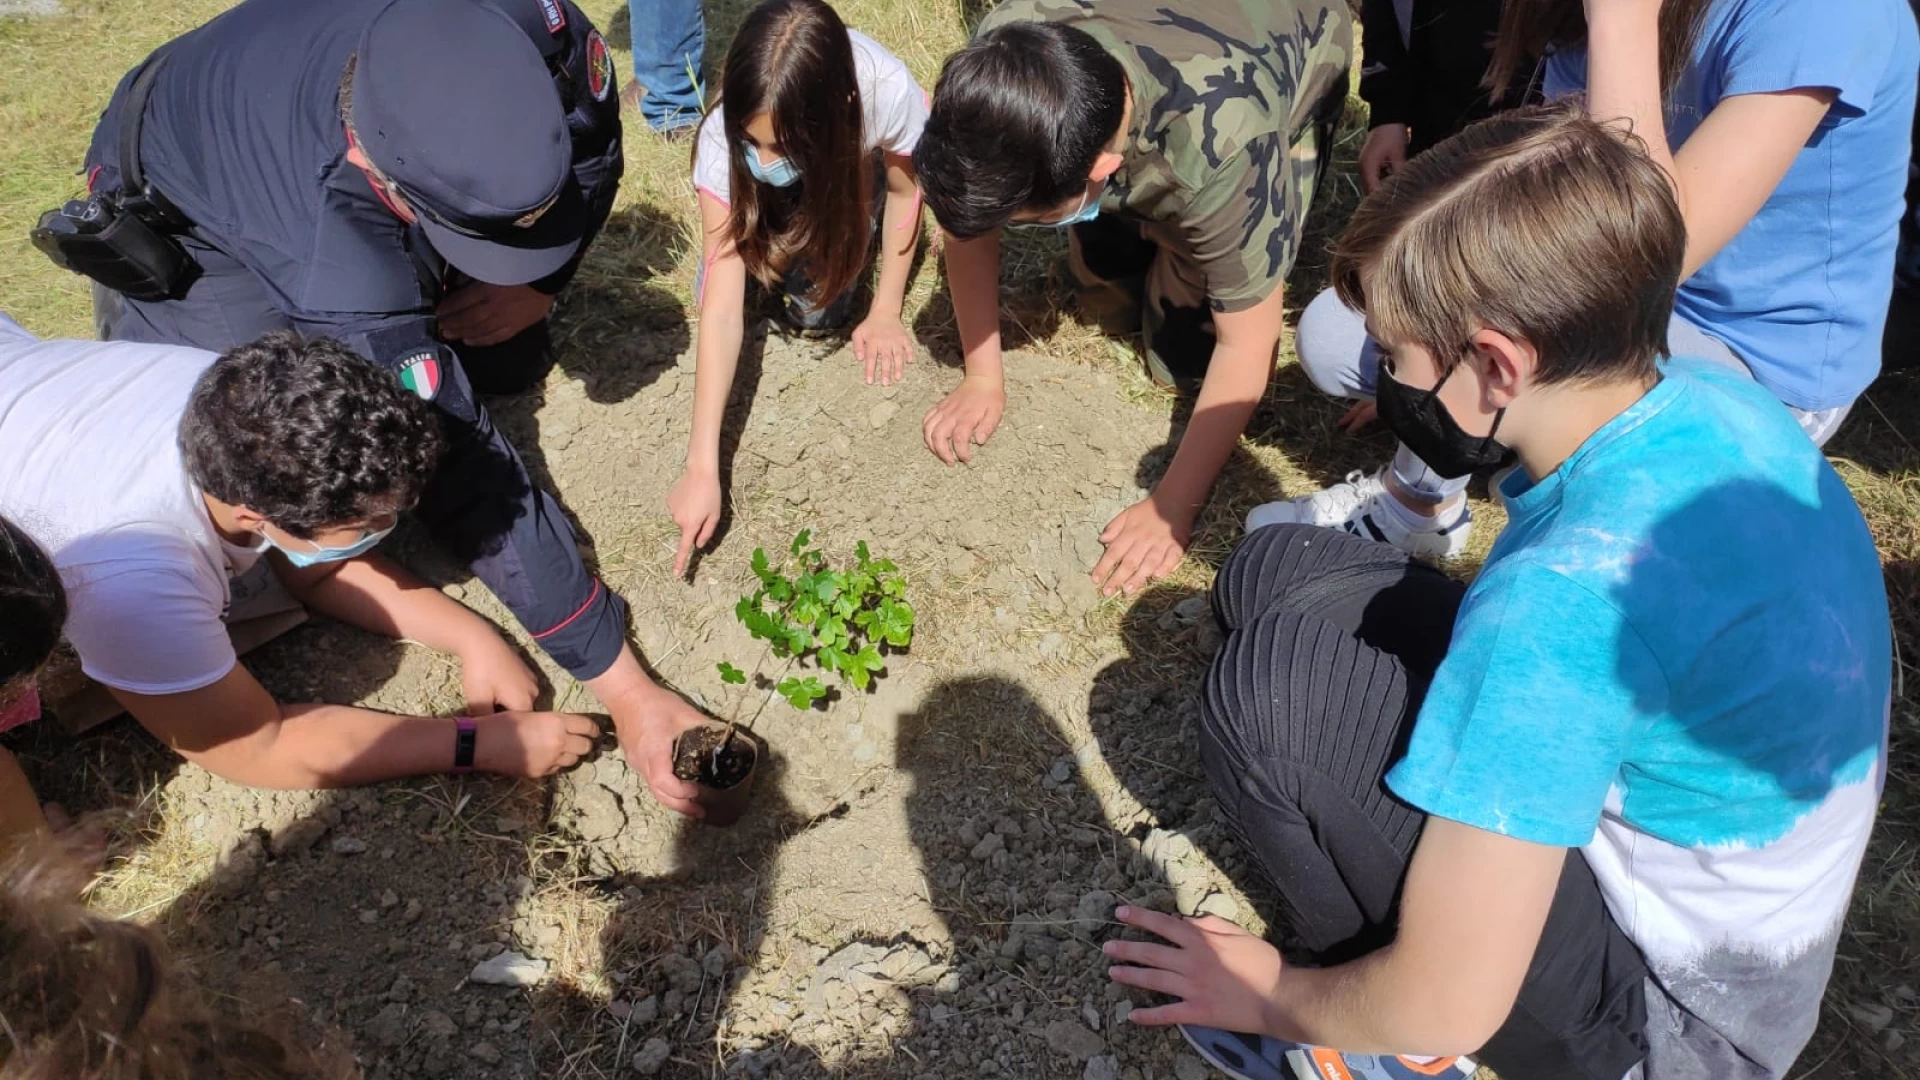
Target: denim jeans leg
[(669, 40)]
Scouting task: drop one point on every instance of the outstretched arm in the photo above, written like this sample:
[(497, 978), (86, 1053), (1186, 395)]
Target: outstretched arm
[(236, 730), (1149, 538), (695, 500), (376, 594), (881, 342), (969, 415), (1474, 906), (1729, 166)]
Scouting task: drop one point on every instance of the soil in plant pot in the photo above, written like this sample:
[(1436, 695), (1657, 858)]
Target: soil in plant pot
[(700, 758)]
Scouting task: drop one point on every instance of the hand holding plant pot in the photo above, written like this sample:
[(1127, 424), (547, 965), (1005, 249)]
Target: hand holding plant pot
[(838, 621)]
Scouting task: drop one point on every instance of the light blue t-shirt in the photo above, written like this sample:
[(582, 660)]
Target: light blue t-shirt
[(1801, 293), (1678, 659)]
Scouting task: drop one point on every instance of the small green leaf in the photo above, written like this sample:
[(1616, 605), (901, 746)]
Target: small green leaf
[(798, 640), (806, 610), (731, 675), (802, 540), (860, 552), (801, 693), (761, 568), (780, 590)]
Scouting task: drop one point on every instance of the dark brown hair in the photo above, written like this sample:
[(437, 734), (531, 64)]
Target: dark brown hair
[(793, 61), (1539, 223), (1530, 28), (87, 997), (33, 609)]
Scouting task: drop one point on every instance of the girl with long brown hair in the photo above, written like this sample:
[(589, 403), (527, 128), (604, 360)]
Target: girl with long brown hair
[(788, 166), (1784, 127)]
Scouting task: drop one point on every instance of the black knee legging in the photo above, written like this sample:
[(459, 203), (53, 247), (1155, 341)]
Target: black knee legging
[(1330, 643)]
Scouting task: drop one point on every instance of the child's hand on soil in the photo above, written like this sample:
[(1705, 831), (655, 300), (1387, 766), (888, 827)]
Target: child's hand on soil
[(1142, 545), (964, 419), (494, 678), (532, 744), (1222, 976), (647, 741), (694, 503), (882, 344)]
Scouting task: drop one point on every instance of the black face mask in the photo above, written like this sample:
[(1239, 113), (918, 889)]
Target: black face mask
[(1417, 418)]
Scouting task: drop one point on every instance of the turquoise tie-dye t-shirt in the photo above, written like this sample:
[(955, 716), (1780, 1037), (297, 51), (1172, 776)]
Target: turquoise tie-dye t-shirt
[(1678, 659)]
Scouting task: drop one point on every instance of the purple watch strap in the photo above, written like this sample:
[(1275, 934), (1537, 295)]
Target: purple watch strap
[(466, 732)]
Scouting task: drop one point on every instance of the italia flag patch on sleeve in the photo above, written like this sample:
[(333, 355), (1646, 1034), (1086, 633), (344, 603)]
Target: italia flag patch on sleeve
[(420, 373)]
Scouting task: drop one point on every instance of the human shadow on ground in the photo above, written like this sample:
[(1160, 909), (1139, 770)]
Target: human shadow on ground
[(976, 947), (343, 907), (615, 332), (616, 329)]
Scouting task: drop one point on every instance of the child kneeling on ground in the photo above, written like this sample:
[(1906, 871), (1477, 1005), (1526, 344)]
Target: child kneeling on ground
[(154, 474), (1609, 815)]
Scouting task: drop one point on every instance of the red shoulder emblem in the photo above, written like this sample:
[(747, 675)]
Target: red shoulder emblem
[(599, 67)]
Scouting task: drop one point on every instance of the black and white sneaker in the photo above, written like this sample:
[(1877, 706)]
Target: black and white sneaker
[(1363, 506)]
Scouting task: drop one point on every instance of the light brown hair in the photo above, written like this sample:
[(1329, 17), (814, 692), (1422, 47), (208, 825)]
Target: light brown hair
[(87, 997), (1539, 223), (1530, 28), (792, 60)]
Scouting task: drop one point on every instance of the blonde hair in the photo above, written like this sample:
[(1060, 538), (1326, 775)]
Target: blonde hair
[(1538, 223)]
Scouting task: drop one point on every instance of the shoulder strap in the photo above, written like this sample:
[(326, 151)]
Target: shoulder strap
[(133, 114)]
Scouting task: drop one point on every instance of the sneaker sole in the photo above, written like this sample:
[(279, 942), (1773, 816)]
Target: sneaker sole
[(1208, 1055)]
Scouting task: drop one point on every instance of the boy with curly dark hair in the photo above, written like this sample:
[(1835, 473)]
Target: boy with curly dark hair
[(155, 475)]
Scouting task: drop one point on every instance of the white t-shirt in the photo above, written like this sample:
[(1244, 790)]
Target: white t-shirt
[(892, 104), (89, 435)]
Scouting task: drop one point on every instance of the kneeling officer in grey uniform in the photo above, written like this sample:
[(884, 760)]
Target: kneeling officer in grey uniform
[(416, 178)]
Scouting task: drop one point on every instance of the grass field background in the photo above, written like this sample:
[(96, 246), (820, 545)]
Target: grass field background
[(56, 72)]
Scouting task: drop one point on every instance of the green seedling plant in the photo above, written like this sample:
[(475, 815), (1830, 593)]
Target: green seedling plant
[(837, 620)]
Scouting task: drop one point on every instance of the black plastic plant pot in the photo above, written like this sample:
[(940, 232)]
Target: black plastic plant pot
[(721, 766)]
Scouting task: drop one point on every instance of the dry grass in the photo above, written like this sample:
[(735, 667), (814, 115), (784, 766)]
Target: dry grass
[(56, 72)]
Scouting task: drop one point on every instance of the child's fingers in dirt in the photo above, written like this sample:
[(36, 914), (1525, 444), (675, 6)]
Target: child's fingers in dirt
[(689, 539), (937, 431)]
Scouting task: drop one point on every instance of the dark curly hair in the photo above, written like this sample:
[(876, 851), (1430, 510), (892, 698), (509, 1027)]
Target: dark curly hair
[(308, 435), (33, 608)]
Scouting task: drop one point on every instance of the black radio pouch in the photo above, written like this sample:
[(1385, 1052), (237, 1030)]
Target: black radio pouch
[(126, 240)]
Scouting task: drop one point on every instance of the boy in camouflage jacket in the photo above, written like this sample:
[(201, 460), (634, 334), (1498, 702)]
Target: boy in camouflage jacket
[(1181, 146)]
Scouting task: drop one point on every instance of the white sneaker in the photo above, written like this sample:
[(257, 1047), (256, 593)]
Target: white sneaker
[(1363, 507)]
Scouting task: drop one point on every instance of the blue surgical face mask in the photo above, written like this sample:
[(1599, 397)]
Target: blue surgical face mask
[(780, 174), (319, 554), (1088, 210)]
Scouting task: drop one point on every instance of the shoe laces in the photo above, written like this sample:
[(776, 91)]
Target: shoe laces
[(1343, 499)]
